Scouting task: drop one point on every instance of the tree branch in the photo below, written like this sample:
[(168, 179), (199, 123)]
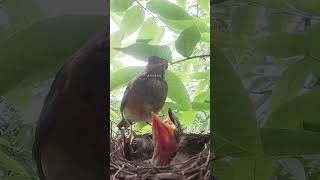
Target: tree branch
[(192, 57)]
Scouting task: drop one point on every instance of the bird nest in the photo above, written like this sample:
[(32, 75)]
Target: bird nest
[(195, 167)]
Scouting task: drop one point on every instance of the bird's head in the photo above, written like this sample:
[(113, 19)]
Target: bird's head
[(157, 65), (164, 140)]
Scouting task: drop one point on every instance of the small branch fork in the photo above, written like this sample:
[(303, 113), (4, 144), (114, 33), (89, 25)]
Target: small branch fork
[(192, 57)]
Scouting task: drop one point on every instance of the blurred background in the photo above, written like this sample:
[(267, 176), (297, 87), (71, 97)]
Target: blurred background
[(36, 37)]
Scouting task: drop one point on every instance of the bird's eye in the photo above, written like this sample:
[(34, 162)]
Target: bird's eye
[(134, 142)]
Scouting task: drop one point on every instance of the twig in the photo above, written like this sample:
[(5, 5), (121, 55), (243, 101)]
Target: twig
[(261, 92), (149, 12), (193, 57), (115, 175), (313, 57)]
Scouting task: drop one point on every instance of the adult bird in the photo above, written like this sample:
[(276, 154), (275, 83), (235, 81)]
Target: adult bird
[(71, 131), (145, 93)]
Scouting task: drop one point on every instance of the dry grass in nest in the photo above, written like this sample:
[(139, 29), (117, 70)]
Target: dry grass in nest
[(196, 167)]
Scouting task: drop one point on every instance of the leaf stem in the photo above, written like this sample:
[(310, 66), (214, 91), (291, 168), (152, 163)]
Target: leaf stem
[(192, 57), (148, 11)]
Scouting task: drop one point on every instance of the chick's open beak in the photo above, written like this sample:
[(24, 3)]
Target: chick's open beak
[(166, 127), (164, 141)]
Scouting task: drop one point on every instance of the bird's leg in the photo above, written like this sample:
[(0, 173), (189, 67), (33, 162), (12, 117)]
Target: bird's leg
[(131, 132)]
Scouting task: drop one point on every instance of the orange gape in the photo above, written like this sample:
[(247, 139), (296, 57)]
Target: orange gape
[(164, 141)]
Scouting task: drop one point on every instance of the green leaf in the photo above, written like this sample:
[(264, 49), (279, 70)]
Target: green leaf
[(168, 10), (205, 5), (282, 44), (182, 3), (22, 13), (8, 163), (243, 21), (313, 35), (177, 25), (201, 86), (202, 27), (205, 37), (25, 138), (148, 29), (290, 83), (158, 36), (20, 96), (252, 168), (200, 75), (116, 18), (203, 96), (143, 51), (54, 45), (223, 170), (234, 117), (115, 42), (310, 6), (187, 41), (120, 5), (277, 22), (123, 76), (287, 142), (132, 20), (177, 91), (275, 4), (200, 106), (4, 142), (186, 117), (300, 112)]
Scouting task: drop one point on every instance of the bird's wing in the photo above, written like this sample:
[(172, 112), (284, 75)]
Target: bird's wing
[(46, 119)]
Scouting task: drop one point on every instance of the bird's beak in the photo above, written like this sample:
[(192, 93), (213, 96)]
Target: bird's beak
[(164, 128), (163, 139), (164, 64)]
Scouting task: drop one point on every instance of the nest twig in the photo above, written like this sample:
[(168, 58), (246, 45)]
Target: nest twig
[(196, 167)]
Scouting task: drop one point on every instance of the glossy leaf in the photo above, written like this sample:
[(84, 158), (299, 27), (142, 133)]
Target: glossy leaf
[(205, 37), (120, 5), (132, 20), (148, 29), (205, 5), (158, 36), (142, 51), (115, 42), (182, 3), (187, 41), (177, 91), (168, 10), (121, 77), (234, 117)]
